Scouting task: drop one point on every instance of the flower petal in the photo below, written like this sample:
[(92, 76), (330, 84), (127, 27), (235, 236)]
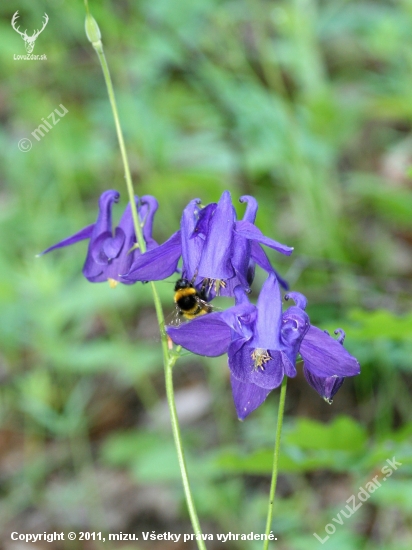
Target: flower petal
[(326, 387), (251, 208), (81, 235), (92, 271), (241, 262), (299, 299), (95, 273), (268, 325), (240, 295), (192, 244), (247, 397), (259, 256), (113, 245), (272, 373), (295, 324), (96, 250), (158, 263), (324, 356), (205, 215), (241, 317), (249, 231), (217, 250), (206, 335), (148, 208), (126, 254), (242, 366), (104, 218), (290, 368), (240, 359)]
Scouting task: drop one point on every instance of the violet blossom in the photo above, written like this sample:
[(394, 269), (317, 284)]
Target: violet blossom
[(216, 249), (111, 252), (311, 349), (263, 343)]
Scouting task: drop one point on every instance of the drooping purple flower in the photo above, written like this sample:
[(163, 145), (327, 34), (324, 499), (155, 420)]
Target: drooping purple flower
[(262, 344), (111, 253), (326, 362), (311, 351), (266, 344), (216, 250)]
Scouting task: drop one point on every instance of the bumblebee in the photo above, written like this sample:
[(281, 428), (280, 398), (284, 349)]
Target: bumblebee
[(189, 301)]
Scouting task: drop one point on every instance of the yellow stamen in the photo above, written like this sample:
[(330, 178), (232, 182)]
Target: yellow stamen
[(260, 357), (216, 284), (113, 283), (219, 283)]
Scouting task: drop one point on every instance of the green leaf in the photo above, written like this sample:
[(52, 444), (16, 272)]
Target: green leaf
[(395, 493), (370, 325), (343, 433), (122, 448)]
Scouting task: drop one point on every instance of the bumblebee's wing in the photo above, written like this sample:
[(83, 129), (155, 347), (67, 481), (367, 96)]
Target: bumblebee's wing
[(204, 305), (175, 318)]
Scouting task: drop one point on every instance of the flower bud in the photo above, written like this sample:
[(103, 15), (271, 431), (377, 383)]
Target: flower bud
[(92, 30)]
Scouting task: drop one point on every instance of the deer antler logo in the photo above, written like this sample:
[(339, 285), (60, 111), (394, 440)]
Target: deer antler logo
[(29, 41)]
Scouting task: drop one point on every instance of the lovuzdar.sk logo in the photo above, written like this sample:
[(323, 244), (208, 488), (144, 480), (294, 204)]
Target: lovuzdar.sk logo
[(29, 40)]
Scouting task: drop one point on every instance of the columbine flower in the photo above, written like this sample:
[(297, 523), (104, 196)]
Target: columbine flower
[(110, 254), (326, 362), (312, 351), (262, 344), (216, 249)]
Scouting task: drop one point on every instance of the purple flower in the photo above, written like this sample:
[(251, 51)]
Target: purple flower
[(110, 253), (262, 344), (216, 249), (312, 353), (326, 362)]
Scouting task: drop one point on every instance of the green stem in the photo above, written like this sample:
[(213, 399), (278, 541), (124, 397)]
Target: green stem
[(179, 448), (138, 229), (169, 359), (275, 461)]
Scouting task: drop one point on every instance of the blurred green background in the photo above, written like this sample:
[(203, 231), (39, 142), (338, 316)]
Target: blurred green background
[(306, 105)]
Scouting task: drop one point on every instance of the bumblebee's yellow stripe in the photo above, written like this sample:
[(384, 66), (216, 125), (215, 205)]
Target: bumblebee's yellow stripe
[(198, 311), (181, 293)]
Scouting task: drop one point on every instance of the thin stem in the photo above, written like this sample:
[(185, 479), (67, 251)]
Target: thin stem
[(102, 58), (275, 461), (179, 448), (169, 359)]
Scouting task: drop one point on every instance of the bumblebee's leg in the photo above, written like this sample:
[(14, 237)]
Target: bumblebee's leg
[(192, 282), (205, 289)]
